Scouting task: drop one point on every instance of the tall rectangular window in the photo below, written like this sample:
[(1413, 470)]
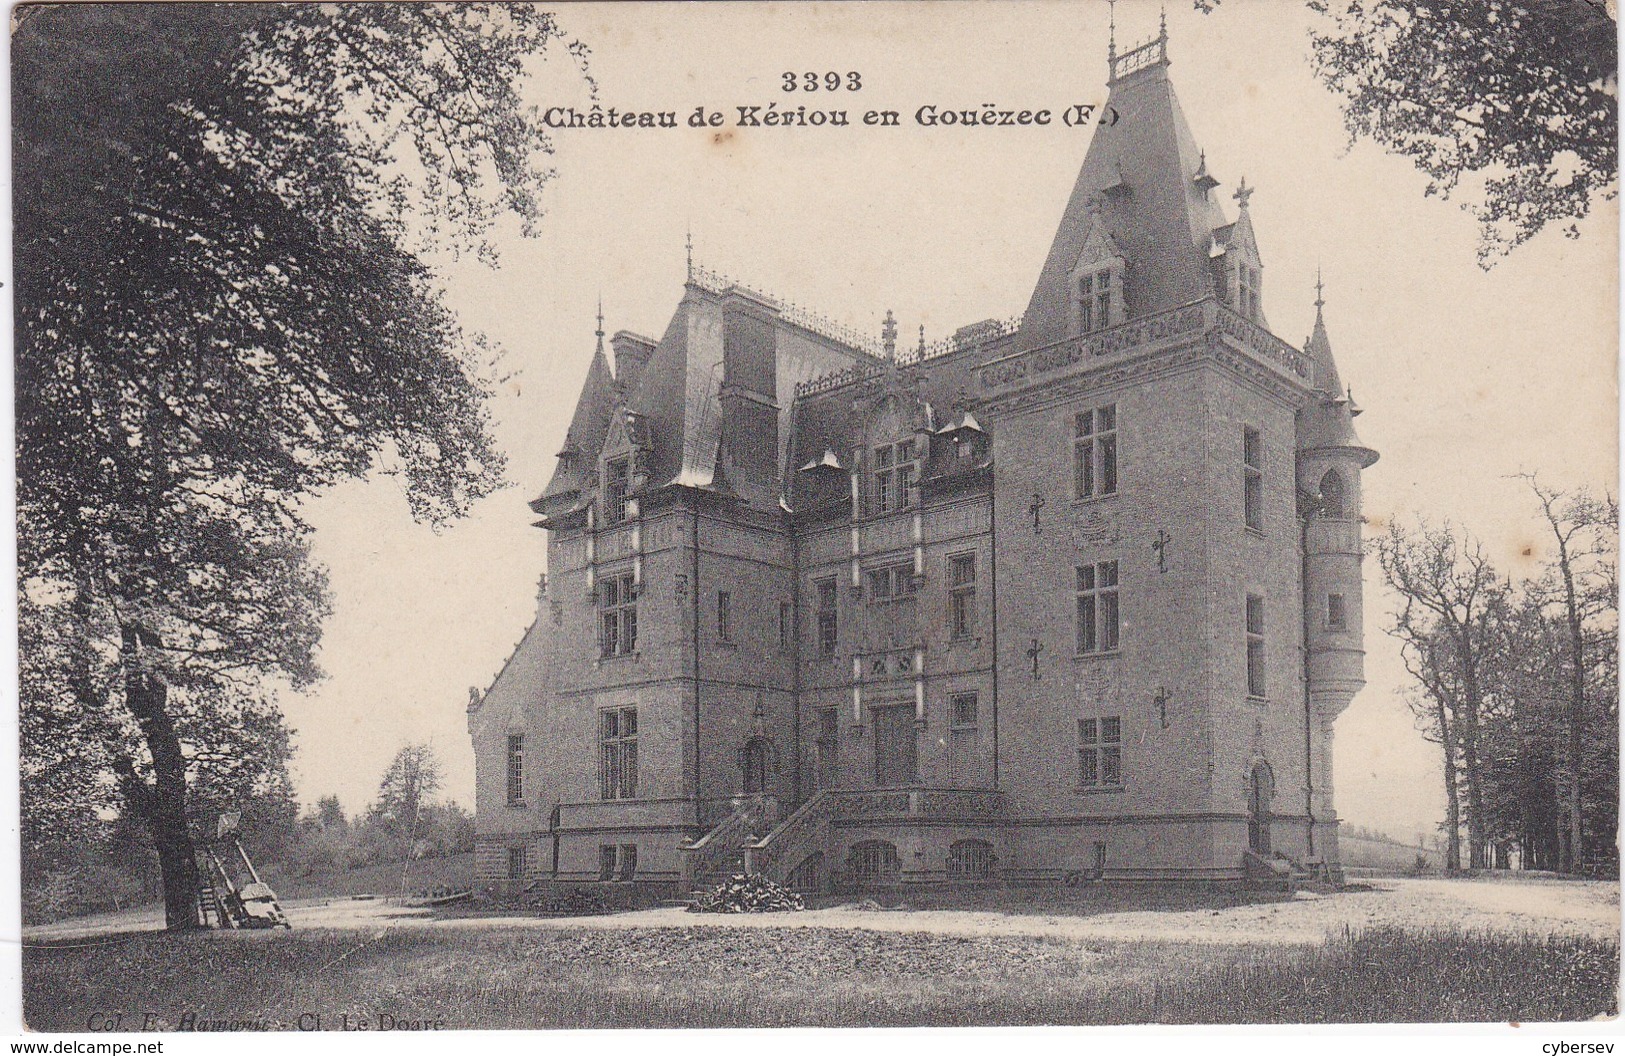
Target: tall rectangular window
[(618, 616), (1337, 618), (724, 616), (784, 624), (828, 627), (963, 753), (516, 769), (894, 474), (516, 863), (617, 484), (1098, 617), (628, 866), (1255, 646), (1252, 477), (606, 861), (618, 753), (1094, 301), (962, 595), (1094, 452), (829, 746), (1100, 752)]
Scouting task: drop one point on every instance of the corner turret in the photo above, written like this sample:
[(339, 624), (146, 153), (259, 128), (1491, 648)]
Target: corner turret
[(1330, 459)]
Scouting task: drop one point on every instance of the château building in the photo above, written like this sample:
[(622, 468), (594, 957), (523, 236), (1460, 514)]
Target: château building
[(1070, 596)]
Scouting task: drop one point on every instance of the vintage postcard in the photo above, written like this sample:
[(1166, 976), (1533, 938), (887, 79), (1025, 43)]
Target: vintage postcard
[(598, 515)]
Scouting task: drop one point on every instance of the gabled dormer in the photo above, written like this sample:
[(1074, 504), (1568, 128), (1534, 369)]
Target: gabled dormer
[(1097, 277), (894, 445), (1238, 268), (622, 468)]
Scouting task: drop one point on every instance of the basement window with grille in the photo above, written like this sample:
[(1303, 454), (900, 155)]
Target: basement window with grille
[(875, 862), (970, 860)]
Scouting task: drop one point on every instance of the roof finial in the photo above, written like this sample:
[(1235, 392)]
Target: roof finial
[(688, 244), (1320, 290), (1243, 193), (888, 335), (1164, 33), (922, 340), (1111, 44), (600, 331)]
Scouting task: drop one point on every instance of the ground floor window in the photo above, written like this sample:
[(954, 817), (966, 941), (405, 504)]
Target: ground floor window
[(1100, 752), (617, 861), (516, 863)]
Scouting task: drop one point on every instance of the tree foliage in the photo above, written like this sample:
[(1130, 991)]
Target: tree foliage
[(1510, 105), (221, 310), (410, 782)]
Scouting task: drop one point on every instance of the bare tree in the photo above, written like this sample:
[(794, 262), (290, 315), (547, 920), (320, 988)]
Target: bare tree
[(1580, 583), (1451, 601)]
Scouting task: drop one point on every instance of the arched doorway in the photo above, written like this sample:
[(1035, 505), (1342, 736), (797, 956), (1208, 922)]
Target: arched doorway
[(754, 762), (1261, 789)]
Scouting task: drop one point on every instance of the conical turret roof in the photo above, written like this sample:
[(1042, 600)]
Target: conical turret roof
[(1327, 420)]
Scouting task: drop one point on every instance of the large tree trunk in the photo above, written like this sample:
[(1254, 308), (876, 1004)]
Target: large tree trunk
[(1452, 813), (1472, 768), (162, 804), (1575, 856)]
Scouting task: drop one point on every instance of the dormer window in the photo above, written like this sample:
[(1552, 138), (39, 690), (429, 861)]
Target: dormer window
[(1097, 295), (617, 485), (1245, 282), (1249, 291), (894, 475), (1094, 301)]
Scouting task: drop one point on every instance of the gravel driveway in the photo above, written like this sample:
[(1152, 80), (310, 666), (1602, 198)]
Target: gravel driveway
[(1538, 905)]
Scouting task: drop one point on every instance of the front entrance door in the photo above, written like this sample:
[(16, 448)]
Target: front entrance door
[(895, 760), (1258, 809), (755, 766)]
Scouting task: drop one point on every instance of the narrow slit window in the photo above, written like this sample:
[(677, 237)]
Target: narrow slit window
[(1255, 647), (1252, 473)]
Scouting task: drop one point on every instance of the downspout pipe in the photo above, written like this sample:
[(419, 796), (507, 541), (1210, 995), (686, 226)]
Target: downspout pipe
[(1311, 504)]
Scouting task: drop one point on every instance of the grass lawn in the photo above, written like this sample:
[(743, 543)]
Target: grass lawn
[(719, 977)]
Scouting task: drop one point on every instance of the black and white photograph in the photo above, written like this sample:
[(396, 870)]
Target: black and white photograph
[(581, 516)]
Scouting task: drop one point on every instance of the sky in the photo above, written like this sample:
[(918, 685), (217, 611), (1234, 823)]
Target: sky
[(1466, 376)]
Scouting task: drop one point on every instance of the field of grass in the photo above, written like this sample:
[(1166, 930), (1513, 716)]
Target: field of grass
[(717, 977)]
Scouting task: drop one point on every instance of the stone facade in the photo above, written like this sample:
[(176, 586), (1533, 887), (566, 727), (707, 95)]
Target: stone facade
[(1070, 596)]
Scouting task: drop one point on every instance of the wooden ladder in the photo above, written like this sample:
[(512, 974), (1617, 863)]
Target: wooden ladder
[(211, 910)]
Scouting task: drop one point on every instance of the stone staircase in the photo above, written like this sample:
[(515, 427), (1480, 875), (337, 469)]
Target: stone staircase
[(792, 853), (1275, 871), (723, 852)]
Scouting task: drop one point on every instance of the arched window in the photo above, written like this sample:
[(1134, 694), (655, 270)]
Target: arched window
[(1332, 503), (970, 860), (754, 762), (875, 862), (808, 877)]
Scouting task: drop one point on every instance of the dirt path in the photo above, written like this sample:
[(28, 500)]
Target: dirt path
[(1505, 905)]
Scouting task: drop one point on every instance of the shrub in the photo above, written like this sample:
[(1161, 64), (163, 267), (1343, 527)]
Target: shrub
[(747, 893)]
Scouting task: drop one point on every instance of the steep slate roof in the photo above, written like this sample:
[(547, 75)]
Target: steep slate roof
[(1142, 172), (585, 436), (678, 397)]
